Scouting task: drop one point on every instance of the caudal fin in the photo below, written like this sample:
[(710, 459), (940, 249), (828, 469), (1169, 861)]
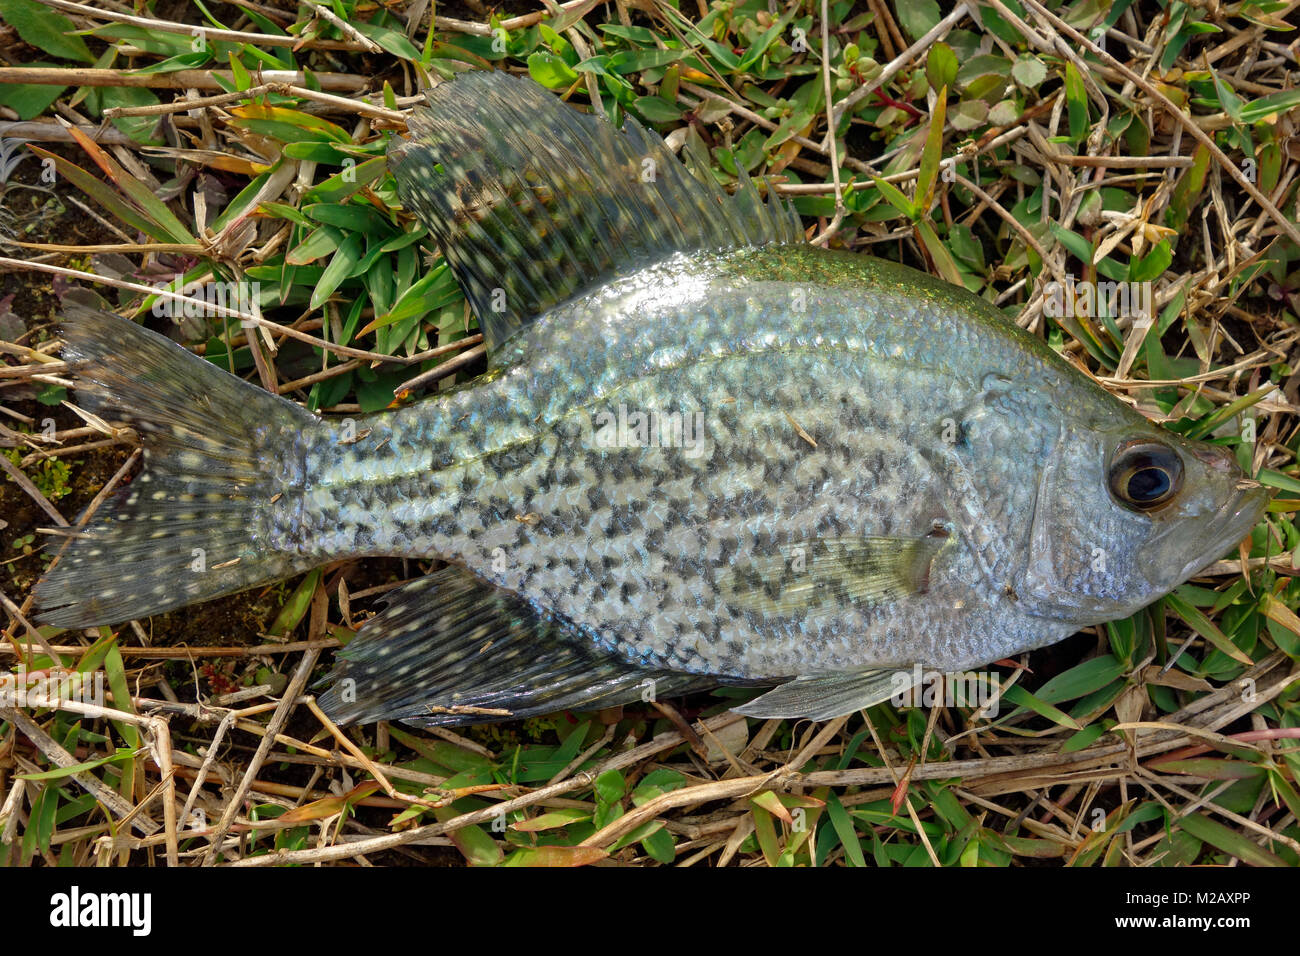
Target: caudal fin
[(196, 522)]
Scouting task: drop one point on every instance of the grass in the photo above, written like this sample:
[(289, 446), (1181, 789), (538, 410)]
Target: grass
[(1144, 142)]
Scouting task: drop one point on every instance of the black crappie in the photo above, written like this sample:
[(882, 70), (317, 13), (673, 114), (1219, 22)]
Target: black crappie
[(705, 453)]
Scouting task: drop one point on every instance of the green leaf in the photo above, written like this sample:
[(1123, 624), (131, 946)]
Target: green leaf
[(45, 29), (320, 242), (59, 773), (242, 78), (1078, 246), (1205, 627), (943, 260), (895, 198), (120, 689), (1232, 103), (103, 194), (1269, 106), (141, 129), (1084, 738), (634, 61), (151, 41), (435, 290), (343, 184), (1076, 101), (639, 35), (551, 71), (182, 61), (941, 67), (331, 391), (656, 784), (285, 211), (932, 153), (610, 786), (296, 606), (652, 109), (1187, 192), (552, 819), (390, 40), (660, 846), (762, 43), (1275, 479), (340, 267), (52, 394), (1227, 840), (1029, 71), (355, 218), (474, 843), (42, 822), (1153, 265), (141, 195), (1018, 695), (1084, 678), (969, 114), (843, 825), (917, 17), (315, 151)]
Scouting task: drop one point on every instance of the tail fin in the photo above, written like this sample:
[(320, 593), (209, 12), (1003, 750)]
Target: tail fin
[(197, 521)]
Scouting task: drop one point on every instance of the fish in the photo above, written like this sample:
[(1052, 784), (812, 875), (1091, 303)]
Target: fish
[(705, 453)]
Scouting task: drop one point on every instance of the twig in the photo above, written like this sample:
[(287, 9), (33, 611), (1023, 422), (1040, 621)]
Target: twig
[(1182, 118), (210, 33), (897, 64), (392, 840), (176, 80), (831, 121), (244, 317), (367, 44), (119, 806), (287, 703)]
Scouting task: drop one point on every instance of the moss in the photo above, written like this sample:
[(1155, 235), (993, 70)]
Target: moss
[(52, 477)]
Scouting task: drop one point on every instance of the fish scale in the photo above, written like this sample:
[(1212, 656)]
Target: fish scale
[(880, 474)]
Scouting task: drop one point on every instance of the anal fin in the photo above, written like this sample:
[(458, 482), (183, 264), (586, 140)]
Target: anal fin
[(825, 696), (452, 649)]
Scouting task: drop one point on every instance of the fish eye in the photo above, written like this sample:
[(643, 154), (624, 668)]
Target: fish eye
[(1145, 475)]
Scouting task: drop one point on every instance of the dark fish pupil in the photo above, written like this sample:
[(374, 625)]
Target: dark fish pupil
[(1148, 484)]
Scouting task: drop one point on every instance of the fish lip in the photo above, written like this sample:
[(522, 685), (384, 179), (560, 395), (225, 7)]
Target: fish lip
[(1232, 522)]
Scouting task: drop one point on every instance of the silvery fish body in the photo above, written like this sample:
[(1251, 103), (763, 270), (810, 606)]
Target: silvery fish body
[(705, 453)]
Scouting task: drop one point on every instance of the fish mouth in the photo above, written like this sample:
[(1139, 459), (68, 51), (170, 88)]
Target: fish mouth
[(1232, 522)]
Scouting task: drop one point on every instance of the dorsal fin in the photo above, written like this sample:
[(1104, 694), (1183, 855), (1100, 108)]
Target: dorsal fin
[(533, 202)]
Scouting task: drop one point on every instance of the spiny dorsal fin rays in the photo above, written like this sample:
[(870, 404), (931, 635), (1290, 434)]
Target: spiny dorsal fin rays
[(533, 202)]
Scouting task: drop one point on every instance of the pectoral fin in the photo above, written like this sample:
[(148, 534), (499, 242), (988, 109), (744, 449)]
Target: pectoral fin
[(824, 696), (827, 573)]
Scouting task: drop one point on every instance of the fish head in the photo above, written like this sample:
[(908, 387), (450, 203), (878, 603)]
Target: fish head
[(1125, 512)]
